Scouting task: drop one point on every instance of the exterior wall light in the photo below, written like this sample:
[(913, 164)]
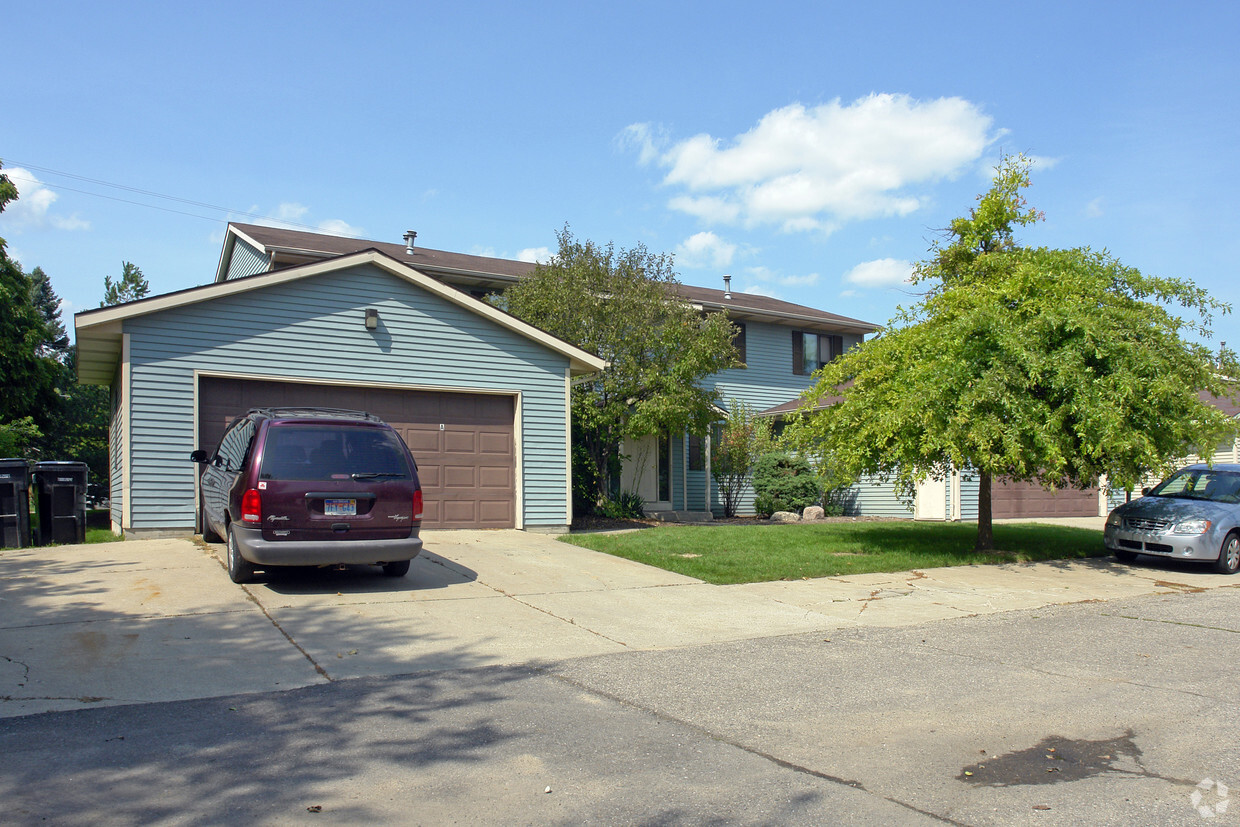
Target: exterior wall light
[(372, 318)]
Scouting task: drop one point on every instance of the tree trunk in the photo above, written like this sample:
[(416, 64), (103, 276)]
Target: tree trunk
[(985, 524)]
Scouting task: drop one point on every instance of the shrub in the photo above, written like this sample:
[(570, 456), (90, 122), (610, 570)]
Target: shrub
[(782, 482), (627, 505)]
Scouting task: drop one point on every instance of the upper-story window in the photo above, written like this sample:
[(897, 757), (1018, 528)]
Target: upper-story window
[(810, 351), (738, 342)]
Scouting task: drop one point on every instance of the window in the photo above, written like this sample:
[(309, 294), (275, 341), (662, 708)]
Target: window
[(235, 444), (695, 453), (810, 351), (738, 342)]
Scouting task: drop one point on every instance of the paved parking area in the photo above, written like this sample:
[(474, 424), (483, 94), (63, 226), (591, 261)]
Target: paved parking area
[(140, 621)]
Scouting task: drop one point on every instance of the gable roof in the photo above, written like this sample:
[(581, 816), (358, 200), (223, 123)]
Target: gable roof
[(288, 246), (99, 338)]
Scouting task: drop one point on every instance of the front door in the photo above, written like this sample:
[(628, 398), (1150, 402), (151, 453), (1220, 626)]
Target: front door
[(648, 471)]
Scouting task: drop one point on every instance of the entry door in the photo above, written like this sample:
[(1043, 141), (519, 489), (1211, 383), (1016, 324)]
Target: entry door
[(648, 471), (931, 502)]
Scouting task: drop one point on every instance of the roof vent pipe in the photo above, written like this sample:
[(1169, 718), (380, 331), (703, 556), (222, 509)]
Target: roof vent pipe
[(727, 287), (410, 237)]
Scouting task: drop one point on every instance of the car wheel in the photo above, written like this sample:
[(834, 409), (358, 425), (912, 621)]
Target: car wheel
[(208, 536), (1229, 555), (1125, 556), (240, 570), (398, 569)]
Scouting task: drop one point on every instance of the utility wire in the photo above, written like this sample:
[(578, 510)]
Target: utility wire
[(149, 193)]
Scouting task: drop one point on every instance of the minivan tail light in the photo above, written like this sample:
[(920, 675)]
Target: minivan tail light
[(417, 503), (251, 507)]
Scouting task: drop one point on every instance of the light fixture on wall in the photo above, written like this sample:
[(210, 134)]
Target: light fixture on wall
[(372, 318)]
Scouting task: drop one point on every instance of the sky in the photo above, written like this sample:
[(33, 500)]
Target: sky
[(813, 151)]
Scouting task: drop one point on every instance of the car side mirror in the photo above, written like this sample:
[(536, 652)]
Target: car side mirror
[(1145, 492), (199, 456)]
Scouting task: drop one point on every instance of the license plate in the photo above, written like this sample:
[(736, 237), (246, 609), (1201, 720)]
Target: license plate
[(340, 508)]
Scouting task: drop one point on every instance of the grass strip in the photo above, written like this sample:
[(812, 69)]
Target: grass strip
[(728, 554)]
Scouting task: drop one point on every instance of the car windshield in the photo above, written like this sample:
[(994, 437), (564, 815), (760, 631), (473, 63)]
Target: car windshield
[(331, 452), (1201, 484)]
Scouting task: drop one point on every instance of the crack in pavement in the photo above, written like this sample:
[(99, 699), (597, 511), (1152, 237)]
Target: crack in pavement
[(766, 756)]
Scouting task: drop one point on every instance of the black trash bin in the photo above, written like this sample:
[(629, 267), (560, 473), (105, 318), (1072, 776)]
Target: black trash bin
[(14, 503), (62, 501)]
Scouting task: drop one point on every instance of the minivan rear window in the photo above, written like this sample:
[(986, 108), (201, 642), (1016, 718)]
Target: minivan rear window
[(294, 451)]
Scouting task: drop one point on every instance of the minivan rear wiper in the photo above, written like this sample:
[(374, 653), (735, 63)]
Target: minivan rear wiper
[(374, 475)]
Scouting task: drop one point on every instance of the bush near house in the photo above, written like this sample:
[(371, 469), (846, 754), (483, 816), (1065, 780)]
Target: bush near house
[(783, 482)]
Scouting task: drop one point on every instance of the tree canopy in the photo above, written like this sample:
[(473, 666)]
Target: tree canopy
[(1031, 364), (27, 373), (623, 306), (130, 286)]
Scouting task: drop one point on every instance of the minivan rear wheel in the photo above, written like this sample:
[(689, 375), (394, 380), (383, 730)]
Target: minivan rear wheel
[(240, 570), (398, 569)]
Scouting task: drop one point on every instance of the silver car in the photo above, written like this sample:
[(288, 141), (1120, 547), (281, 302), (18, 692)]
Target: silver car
[(1192, 515)]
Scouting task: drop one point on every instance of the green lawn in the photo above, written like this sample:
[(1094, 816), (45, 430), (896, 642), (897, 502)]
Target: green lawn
[(727, 554)]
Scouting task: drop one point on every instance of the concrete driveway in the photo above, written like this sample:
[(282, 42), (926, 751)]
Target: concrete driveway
[(154, 620)]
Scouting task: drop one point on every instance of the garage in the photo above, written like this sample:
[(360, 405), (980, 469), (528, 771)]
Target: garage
[(1026, 499), (463, 442)]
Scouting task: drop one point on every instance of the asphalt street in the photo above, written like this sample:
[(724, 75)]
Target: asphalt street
[(1118, 711)]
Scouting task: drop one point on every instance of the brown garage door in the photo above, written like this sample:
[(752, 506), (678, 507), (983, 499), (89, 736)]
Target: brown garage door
[(1026, 499), (463, 442)]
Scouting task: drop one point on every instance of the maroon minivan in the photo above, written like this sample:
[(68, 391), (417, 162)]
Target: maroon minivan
[(310, 487)]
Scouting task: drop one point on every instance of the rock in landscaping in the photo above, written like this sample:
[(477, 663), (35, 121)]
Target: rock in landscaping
[(785, 517), (813, 512)]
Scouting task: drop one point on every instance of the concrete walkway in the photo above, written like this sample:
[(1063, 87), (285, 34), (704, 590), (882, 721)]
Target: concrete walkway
[(158, 619)]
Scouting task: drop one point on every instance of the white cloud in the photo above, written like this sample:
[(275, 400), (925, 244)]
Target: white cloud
[(705, 250), (293, 216), (883, 272), (805, 169), (1094, 208), (755, 290), (33, 208), (335, 226), (766, 275), (643, 138), (535, 255)]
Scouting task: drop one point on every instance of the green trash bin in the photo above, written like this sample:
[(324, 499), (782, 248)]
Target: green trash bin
[(14, 503), (61, 501)]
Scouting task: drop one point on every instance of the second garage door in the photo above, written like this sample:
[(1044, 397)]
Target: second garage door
[(463, 442), (1026, 499)]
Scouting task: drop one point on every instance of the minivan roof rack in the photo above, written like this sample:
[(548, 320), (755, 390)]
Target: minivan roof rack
[(325, 413)]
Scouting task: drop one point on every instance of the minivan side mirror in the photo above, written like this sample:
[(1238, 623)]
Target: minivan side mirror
[(1145, 492), (198, 456)]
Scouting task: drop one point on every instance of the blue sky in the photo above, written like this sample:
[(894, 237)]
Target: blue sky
[(811, 150)]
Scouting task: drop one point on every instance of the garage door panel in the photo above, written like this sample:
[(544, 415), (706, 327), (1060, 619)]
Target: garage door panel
[(422, 441), (463, 443), (460, 442), (490, 442), (494, 513), (492, 476), (460, 511), (460, 476), (429, 474)]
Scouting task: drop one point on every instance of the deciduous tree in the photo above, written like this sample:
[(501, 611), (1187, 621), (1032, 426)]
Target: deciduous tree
[(623, 306), (742, 441), (1032, 364)]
